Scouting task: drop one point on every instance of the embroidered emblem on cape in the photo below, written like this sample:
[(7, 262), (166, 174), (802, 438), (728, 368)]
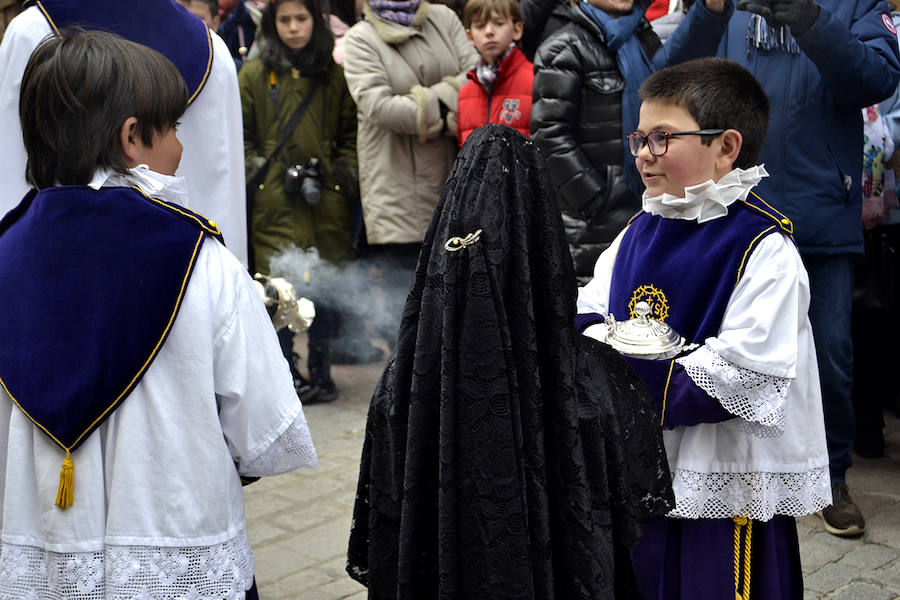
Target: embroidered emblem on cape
[(458, 243), (510, 110), (889, 23), (659, 305)]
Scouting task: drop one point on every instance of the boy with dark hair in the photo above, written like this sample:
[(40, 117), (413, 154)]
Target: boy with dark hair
[(740, 407), (206, 10), (167, 381), (499, 87)]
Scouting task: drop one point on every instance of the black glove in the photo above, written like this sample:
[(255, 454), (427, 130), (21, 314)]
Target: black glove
[(445, 110), (799, 15), (760, 7)]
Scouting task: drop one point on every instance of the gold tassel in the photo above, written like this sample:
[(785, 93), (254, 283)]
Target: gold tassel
[(65, 494)]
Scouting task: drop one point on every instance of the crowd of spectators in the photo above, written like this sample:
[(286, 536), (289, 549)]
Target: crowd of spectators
[(352, 113)]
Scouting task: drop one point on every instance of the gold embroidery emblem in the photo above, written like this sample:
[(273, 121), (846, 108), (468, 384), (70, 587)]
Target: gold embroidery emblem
[(659, 305), (458, 243)]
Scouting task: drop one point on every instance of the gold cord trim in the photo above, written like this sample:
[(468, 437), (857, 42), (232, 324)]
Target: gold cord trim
[(742, 557), (662, 414)]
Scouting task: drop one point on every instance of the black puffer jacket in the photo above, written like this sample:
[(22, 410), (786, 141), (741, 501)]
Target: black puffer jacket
[(576, 119)]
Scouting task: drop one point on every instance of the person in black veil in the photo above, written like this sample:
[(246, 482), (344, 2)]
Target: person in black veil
[(506, 455)]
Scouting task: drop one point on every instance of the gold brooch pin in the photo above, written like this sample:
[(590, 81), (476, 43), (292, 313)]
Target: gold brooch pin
[(457, 243)]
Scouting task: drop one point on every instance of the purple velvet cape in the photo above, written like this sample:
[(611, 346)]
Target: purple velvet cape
[(90, 284), (166, 26)]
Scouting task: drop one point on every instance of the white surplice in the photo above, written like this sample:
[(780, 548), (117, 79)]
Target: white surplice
[(158, 507), (772, 457)]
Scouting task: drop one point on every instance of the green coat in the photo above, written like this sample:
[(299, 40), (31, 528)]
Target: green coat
[(327, 130)]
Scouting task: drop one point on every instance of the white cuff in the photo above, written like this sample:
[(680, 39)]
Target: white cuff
[(293, 449), (757, 399)]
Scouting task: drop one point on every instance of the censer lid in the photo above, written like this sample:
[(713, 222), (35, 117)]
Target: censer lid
[(643, 337)]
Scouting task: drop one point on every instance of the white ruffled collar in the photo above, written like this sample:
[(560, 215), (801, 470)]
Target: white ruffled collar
[(170, 188), (708, 200)]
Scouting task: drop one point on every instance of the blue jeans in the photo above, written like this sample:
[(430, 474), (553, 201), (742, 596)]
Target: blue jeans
[(831, 289)]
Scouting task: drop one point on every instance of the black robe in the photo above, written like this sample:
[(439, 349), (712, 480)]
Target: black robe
[(506, 455)]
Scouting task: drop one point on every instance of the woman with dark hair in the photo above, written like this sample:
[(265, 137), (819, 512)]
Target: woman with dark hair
[(294, 67), (506, 455)]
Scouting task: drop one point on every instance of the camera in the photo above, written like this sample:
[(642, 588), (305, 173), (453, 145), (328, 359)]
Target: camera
[(305, 181)]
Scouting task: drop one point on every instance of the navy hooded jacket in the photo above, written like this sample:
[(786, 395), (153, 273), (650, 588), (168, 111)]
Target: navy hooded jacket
[(813, 151)]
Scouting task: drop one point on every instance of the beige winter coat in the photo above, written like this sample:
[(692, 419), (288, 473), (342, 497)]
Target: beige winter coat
[(397, 75)]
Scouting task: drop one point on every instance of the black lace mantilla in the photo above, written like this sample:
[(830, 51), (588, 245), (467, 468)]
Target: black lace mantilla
[(506, 456)]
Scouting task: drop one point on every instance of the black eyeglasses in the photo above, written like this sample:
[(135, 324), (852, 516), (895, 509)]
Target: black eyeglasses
[(658, 141)]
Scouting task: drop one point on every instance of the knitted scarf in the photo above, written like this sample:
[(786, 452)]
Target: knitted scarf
[(396, 11), (767, 37), (634, 66), (487, 74)]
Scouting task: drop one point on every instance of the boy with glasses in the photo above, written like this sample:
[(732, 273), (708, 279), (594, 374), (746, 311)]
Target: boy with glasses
[(740, 407)]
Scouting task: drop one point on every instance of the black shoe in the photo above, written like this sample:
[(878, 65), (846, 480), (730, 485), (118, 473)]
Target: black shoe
[(360, 352), (306, 391), (843, 518), (319, 365), (326, 392)]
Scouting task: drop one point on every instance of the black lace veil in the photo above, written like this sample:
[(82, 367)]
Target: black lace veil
[(506, 455)]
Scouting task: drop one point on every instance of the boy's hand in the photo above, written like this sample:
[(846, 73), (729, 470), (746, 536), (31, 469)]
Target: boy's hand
[(799, 15)]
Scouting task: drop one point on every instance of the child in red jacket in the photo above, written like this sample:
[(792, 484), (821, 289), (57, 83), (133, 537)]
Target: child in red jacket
[(499, 90)]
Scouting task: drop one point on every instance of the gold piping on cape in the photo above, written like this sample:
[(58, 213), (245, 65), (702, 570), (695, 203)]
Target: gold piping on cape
[(635, 216), (782, 220), (750, 247), (203, 222), (134, 379), (209, 46), (47, 16), (209, 62)]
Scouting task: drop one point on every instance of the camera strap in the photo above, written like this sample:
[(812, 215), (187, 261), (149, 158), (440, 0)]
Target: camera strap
[(288, 128), (295, 116), (253, 185)]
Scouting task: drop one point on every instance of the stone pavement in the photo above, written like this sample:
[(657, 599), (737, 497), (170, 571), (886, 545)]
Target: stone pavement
[(299, 523)]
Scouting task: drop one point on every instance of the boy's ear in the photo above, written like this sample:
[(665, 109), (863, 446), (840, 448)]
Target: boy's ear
[(130, 142), (469, 35), (518, 27), (730, 147)]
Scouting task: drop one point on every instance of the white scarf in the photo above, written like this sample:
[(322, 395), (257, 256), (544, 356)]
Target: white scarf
[(708, 200)]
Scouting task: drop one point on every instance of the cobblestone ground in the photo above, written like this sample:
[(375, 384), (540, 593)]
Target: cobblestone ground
[(299, 522)]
